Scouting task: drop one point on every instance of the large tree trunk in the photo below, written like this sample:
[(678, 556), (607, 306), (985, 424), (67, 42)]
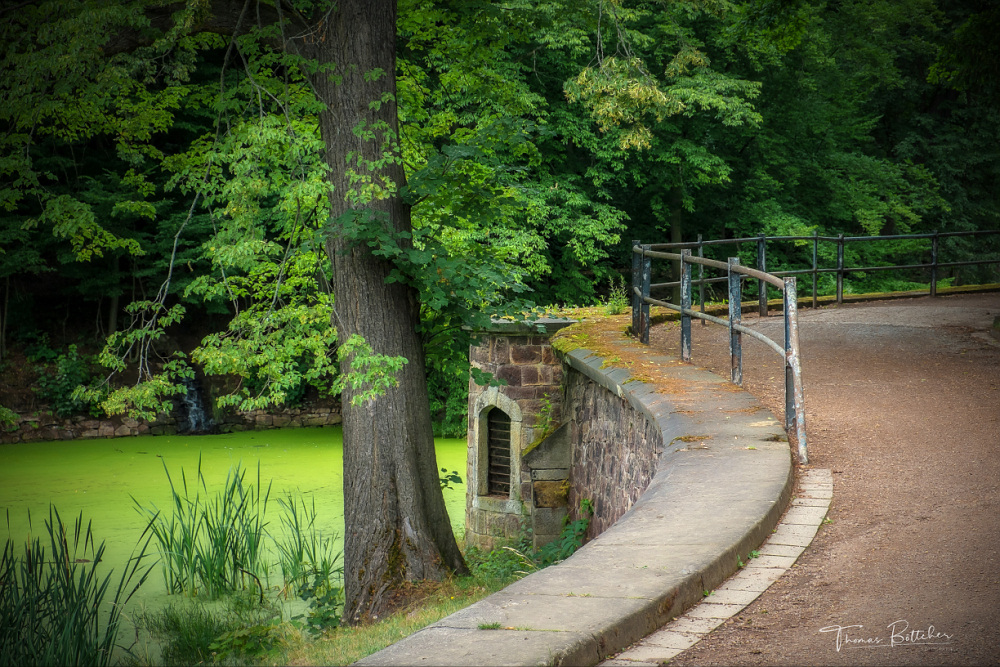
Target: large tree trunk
[(397, 525)]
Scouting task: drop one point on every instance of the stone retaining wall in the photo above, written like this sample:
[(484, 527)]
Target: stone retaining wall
[(615, 451), (32, 428)]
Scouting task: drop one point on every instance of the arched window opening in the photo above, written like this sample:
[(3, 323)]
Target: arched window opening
[(498, 453)]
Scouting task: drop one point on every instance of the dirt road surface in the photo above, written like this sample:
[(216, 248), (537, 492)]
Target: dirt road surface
[(903, 405)]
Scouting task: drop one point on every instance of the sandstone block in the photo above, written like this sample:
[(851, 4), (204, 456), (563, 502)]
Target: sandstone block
[(499, 350), (550, 493), (526, 354), (511, 374)]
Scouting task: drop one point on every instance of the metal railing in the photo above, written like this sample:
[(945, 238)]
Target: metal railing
[(935, 265), (784, 281), (642, 256)]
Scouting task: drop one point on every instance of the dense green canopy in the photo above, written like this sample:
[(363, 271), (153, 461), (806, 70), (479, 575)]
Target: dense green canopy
[(187, 175)]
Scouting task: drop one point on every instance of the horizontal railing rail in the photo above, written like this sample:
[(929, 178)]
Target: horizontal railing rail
[(642, 256), (815, 270)]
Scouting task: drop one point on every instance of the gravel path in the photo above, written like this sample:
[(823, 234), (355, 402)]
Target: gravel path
[(903, 405)]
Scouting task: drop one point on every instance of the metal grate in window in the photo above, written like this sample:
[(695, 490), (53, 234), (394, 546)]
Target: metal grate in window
[(498, 452)]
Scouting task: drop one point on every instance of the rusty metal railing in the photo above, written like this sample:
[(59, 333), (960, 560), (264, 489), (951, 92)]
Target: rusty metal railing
[(840, 269), (642, 256)]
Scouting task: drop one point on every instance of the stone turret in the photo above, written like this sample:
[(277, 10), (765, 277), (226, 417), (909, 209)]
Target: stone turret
[(519, 457)]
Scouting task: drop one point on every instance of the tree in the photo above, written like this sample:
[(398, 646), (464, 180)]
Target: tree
[(398, 528)]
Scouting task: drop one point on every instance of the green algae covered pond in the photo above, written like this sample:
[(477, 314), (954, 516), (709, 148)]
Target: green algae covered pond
[(101, 477)]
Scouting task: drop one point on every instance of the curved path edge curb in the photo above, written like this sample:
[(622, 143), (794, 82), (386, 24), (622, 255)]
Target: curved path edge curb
[(723, 480), (779, 552)]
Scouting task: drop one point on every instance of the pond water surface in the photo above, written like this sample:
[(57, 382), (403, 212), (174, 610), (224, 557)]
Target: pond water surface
[(101, 477)]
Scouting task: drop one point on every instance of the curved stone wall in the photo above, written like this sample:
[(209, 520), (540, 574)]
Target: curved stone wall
[(615, 451)]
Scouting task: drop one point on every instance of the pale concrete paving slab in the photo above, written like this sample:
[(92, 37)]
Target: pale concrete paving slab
[(794, 535), (822, 493), (809, 516), (732, 596), (698, 626), (817, 475), (757, 579), (773, 561), (656, 655), (672, 639), (772, 549), (810, 502), (714, 610)]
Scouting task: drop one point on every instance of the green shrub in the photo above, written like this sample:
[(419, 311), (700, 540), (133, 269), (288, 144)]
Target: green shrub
[(8, 417), (215, 546), (310, 565), (618, 298), (569, 540), (57, 385), (241, 630), (500, 565)]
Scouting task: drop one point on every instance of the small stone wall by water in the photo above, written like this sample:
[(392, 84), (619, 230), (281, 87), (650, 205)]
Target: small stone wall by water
[(34, 428), (615, 451)]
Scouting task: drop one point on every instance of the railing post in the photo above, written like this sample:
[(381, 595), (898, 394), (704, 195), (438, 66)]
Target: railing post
[(636, 287), (701, 281), (735, 337), (840, 269), (795, 413), (934, 254), (685, 305), (647, 273), (762, 266), (815, 262)]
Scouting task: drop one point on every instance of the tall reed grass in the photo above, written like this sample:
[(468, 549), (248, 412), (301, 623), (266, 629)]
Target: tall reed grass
[(305, 554), (54, 607), (212, 545)]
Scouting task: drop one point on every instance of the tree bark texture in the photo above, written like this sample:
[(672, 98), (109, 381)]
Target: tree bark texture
[(397, 525)]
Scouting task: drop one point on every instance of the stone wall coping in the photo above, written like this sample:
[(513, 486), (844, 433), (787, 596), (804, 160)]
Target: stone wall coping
[(723, 480), (545, 326)]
